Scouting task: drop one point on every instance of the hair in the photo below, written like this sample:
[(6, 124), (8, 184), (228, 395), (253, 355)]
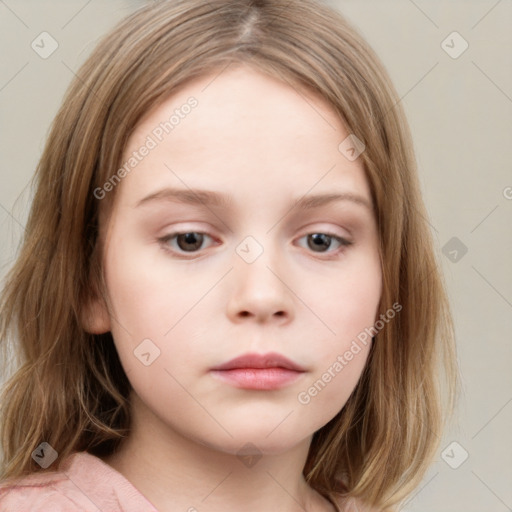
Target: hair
[(69, 388)]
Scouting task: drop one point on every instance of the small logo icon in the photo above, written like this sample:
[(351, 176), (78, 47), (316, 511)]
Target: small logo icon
[(249, 454), (249, 249), (146, 352), (44, 455), (44, 45), (351, 147), (454, 455), (454, 249), (454, 45)]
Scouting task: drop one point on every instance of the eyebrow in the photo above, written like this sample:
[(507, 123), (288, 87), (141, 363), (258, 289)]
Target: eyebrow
[(210, 198)]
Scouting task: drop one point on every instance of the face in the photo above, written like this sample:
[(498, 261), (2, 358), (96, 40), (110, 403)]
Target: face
[(257, 265)]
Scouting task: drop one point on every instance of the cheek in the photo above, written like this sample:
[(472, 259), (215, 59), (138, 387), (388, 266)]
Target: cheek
[(148, 295), (348, 303), (341, 358), (350, 308), (329, 389), (157, 308)]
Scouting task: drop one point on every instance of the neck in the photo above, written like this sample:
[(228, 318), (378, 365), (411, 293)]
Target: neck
[(177, 472)]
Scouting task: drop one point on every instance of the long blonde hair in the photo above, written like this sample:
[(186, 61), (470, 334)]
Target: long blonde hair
[(69, 388)]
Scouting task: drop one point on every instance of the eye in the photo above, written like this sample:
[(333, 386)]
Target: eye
[(192, 241), (319, 241), (188, 242)]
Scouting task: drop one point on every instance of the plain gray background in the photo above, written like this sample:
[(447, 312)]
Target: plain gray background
[(460, 112)]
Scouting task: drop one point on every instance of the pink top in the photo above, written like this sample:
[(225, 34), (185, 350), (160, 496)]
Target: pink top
[(84, 483)]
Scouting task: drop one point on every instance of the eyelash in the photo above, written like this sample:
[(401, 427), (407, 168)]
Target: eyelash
[(344, 243)]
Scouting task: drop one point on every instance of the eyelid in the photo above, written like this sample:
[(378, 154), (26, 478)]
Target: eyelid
[(327, 229)]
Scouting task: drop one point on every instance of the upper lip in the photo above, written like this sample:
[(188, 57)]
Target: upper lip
[(253, 360)]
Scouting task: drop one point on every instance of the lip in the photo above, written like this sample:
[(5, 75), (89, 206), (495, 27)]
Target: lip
[(253, 360), (259, 371)]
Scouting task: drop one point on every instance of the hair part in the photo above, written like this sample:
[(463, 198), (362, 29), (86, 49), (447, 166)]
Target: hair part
[(69, 388)]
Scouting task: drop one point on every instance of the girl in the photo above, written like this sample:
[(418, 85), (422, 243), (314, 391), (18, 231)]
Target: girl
[(227, 297)]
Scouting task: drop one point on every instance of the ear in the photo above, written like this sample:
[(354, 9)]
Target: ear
[(94, 317)]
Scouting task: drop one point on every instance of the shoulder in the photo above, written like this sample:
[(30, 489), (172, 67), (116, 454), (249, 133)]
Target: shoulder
[(38, 493), (81, 483)]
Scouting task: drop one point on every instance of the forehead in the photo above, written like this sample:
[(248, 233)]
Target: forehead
[(245, 133)]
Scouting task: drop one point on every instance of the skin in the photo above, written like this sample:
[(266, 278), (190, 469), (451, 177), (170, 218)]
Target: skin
[(266, 144)]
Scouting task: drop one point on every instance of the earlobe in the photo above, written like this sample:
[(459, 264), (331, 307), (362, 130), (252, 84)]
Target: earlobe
[(94, 317)]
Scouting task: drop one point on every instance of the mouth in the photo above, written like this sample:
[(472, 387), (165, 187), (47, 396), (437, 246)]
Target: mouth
[(259, 372)]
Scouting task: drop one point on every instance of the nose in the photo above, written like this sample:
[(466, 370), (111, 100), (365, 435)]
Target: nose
[(260, 292)]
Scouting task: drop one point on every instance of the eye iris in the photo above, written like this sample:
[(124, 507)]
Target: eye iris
[(319, 240), (189, 238)]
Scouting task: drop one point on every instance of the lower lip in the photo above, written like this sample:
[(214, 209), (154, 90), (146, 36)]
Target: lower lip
[(258, 378)]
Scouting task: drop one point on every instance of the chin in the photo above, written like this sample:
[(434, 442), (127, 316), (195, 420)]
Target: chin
[(254, 442)]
